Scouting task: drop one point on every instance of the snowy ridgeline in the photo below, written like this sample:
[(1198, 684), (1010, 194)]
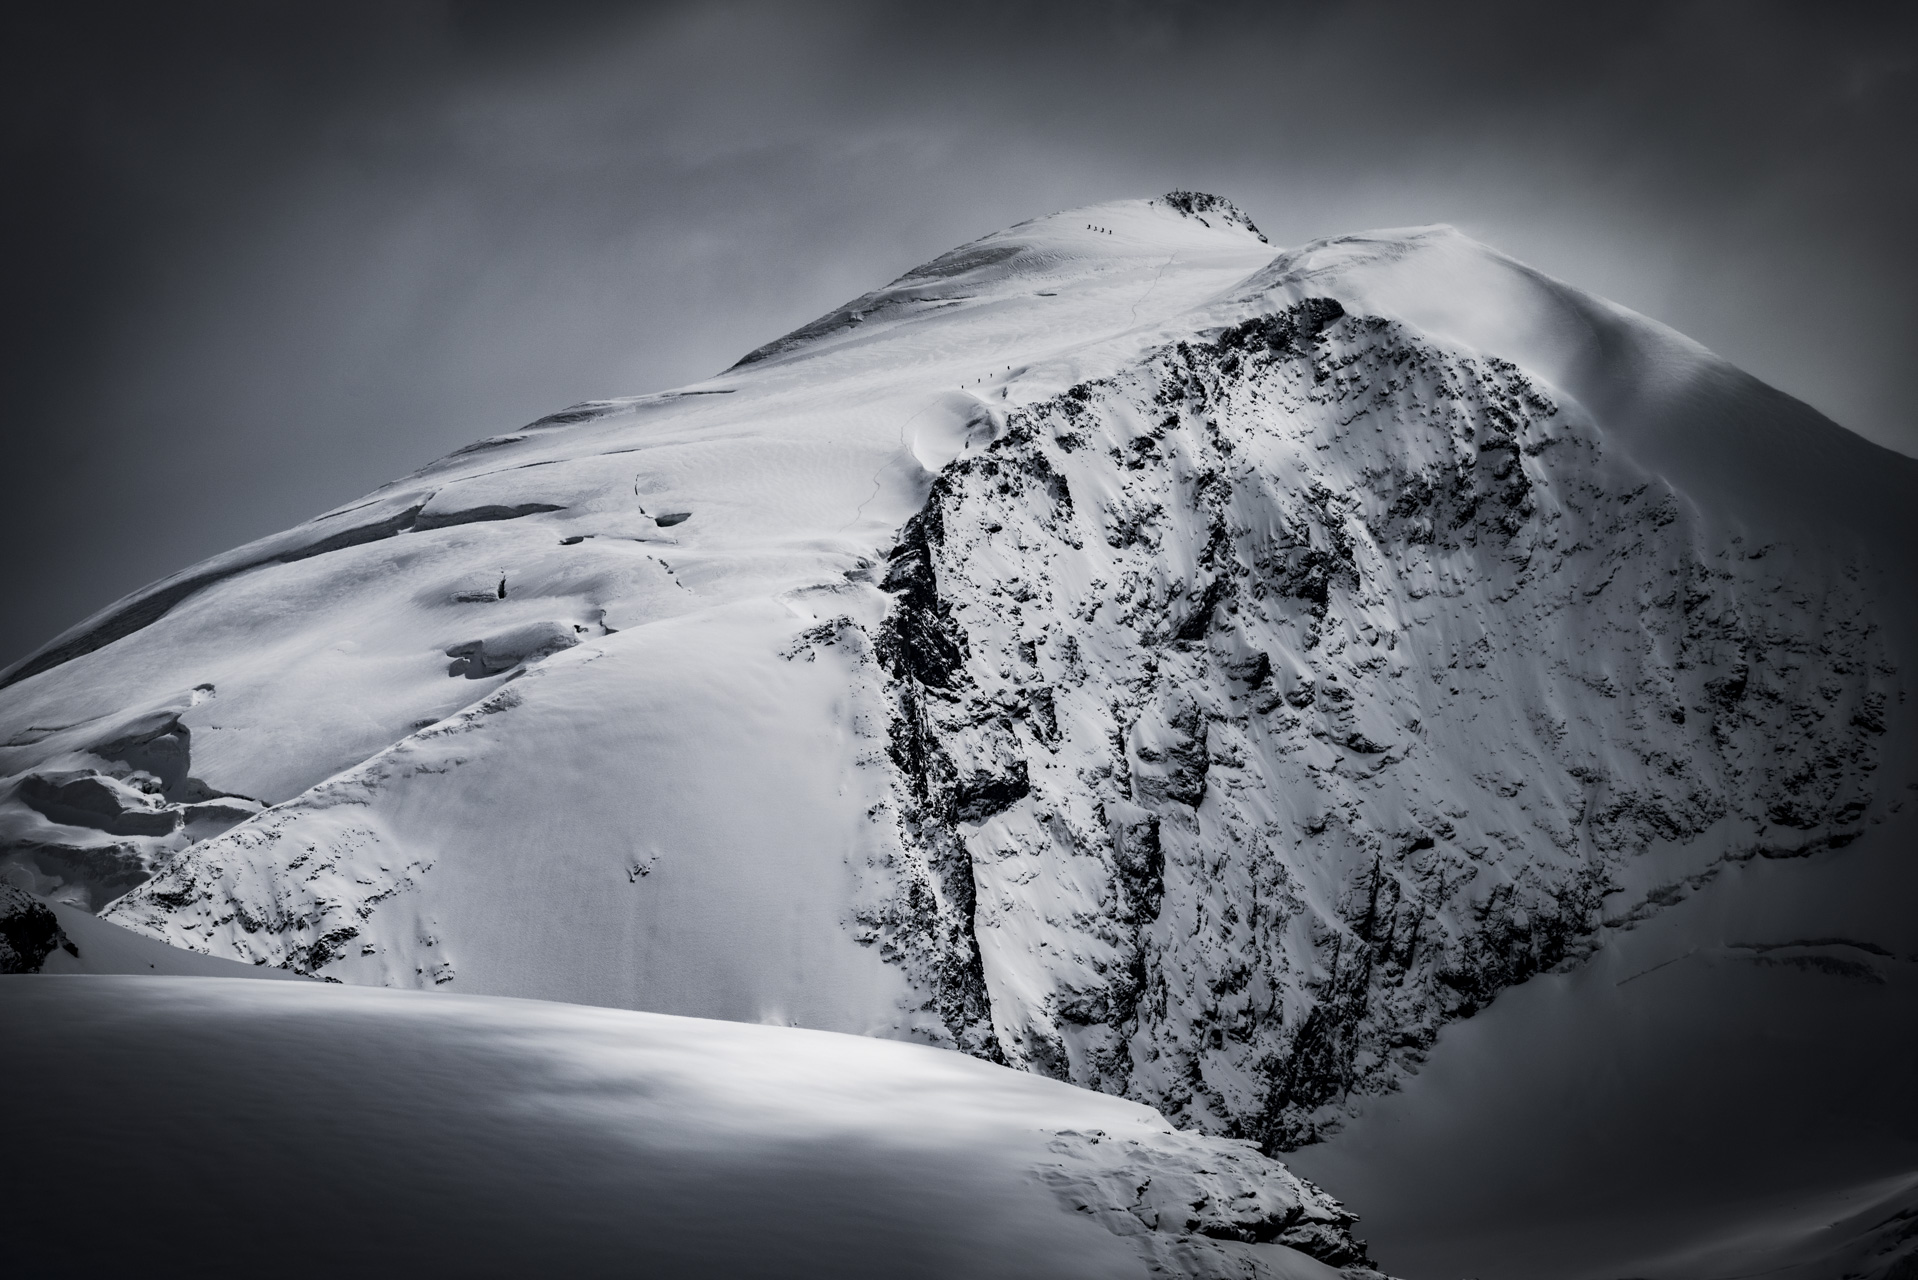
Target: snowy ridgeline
[(1111, 649)]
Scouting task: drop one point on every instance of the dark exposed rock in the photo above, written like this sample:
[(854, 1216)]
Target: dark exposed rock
[(1193, 625), (923, 651), (29, 932), (920, 640), (1286, 333), (1140, 860), (1199, 204), (978, 796)]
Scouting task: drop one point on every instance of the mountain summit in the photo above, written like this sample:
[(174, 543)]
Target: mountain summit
[(1116, 648)]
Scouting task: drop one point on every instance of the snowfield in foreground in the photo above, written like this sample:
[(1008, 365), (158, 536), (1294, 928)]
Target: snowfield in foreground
[(228, 1127)]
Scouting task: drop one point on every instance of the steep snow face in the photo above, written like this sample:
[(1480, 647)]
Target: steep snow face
[(385, 1131), (1113, 648)]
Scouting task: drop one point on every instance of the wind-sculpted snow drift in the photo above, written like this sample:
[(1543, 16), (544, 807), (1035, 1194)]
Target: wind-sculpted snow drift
[(1115, 649)]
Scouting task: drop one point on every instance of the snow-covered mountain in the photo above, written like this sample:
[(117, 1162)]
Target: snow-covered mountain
[(1117, 648)]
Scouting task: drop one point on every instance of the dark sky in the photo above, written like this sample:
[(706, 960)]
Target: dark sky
[(266, 257)]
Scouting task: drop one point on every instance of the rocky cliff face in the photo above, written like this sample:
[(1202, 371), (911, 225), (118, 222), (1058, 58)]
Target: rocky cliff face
[(1272, 701)]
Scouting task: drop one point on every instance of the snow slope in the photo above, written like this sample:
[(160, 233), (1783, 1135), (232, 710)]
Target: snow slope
[(218, 1127), (1116, 648)]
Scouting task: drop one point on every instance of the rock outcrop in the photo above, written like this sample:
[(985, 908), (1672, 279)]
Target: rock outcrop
[(29, 931)]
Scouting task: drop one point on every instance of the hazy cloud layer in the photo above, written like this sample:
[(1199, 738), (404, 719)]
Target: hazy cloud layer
[(264, 259)]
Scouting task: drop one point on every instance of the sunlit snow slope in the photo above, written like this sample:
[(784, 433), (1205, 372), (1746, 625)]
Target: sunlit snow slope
[(1118, 648)]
